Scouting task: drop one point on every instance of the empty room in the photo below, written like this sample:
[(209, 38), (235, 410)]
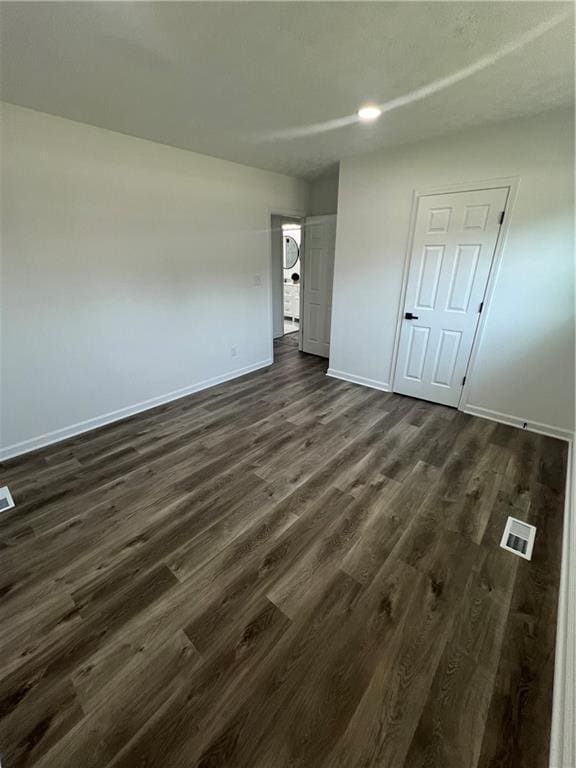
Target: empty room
[(287, 385)]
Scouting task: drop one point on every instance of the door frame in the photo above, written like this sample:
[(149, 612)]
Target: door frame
[(288, 213), (513, 183)]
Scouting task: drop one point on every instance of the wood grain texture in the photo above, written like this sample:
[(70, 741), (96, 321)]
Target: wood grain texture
[(283, 571)]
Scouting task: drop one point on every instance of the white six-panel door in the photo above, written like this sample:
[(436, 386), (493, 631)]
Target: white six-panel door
[(316, 312), (453, 246)]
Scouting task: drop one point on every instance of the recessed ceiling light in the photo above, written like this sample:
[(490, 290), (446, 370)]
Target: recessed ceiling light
[(369, 113)]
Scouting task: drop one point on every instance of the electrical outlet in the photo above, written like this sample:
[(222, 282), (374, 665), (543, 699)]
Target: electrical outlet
[(234, 351), (258, 280)]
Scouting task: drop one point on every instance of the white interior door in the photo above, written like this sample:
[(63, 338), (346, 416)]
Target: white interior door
[(453, 246), (316, 312)]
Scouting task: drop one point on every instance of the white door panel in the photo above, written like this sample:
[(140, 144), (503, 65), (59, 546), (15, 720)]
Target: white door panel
[(453, 246), (319, 247)]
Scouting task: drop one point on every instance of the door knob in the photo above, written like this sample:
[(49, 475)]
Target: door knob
[(410, 316)]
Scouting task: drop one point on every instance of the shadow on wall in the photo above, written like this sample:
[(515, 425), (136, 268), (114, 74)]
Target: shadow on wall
[(323, 198)]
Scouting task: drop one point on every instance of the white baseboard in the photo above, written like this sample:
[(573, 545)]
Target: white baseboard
[(381, 385), (563, 736), (514, 421), (41, 441)]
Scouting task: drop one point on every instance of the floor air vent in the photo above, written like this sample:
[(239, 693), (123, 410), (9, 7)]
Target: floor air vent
[(6, 501), (518, 537)]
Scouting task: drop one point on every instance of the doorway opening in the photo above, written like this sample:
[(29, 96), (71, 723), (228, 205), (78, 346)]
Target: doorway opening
[(302, 251), (286, 248), (291, 264)]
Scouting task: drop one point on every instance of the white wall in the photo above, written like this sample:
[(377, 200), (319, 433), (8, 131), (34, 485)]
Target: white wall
[(525, 365), (323, 196), (127, 273)]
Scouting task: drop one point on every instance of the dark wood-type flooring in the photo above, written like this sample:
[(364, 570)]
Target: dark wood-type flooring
[(284, 570)]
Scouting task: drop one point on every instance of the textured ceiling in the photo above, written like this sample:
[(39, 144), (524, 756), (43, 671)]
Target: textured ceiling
[(277, 85)]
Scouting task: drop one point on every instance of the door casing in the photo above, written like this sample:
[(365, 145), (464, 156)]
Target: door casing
[(512, 182)]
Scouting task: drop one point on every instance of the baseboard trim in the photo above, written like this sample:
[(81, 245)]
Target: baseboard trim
[(373, 383), (58, 435), (563, 736), (514, 421)]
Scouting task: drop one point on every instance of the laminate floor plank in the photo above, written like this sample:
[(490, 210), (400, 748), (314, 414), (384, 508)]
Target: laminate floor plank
[(285, 570)]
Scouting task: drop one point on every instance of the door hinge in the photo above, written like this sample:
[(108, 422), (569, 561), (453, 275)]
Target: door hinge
[(501, 217), (481, 307), (464, 381)]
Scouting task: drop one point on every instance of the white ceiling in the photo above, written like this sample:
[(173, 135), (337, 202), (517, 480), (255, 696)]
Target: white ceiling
[(277, 85)]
